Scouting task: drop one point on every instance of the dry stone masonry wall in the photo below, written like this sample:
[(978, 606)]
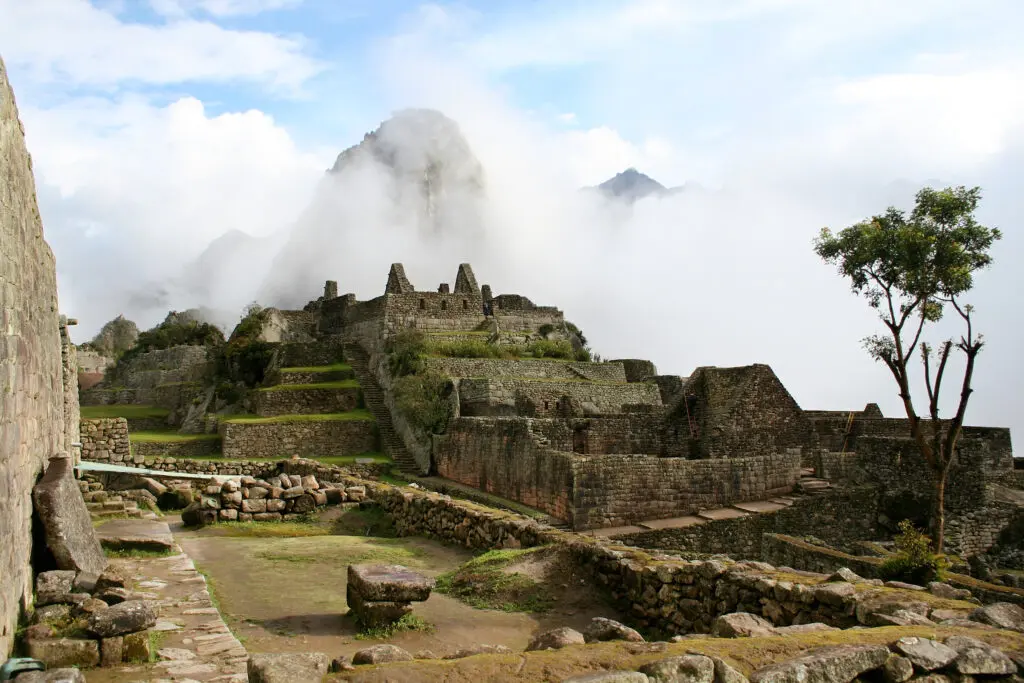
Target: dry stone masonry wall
[(309, 438), (105, 440)]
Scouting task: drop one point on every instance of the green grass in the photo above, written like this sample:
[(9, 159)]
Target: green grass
[(272, 529), (340, 384), (123, 410), (320, 368), (360, 414), (137, 553), (170, 437), (486, 583), (408, 622)]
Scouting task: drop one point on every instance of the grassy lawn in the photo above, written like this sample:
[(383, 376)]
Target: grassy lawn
[(320, 368), (340, 384), (360, 414), (170, 437), (123, 410)]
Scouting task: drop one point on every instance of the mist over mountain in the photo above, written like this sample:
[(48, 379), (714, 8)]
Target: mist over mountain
[(631, 185)]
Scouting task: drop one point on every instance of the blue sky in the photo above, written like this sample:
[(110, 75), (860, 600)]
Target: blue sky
[(158, 125)]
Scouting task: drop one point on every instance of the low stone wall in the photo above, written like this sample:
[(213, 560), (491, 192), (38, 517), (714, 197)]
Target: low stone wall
[(105, 439), (508, 397), (196, 448), (307, 438), (527, 368), (279, 497), (325, 351), (248, 467), (288, 400)]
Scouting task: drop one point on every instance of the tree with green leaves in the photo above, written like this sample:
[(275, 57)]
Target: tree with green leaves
[(911, 269)]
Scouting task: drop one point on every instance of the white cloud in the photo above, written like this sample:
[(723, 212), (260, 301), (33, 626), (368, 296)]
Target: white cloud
[(73, 41), (220, 8)]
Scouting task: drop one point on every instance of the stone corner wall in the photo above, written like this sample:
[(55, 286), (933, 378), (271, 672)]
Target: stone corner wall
[(69, 378), (105, 439), (31, 410)]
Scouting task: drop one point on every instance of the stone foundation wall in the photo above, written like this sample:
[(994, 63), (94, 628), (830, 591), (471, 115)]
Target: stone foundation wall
[(284, 400), (305, 438), (31, 407), (509, 397), (105, 440), (325, 351), (197, 448), (527, 368), (247, 467), (138, 380)]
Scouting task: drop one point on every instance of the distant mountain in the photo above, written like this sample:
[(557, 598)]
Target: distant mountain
[(631, 185)]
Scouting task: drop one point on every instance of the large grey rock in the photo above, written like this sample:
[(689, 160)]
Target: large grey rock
[(725, 673), (902, 617), (66, 523), (796, 629), (925, 654), (1001, 615), (609, 677), (60, 652), (65, 675), (837, 664), (944, 590), (388, 583), (681, 669), (742, 625), (602, 629), (897, 669), (55, 587), (292, 667), (125, 617), (871, 605), (845, 574), (555, 639), (379, 654), (472, 650), (975, 657)]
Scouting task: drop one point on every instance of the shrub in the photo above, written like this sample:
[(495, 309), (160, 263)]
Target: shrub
[(405, 353), (423, 400), (545, 348), (244, 359), (914, 561), (468, 348)]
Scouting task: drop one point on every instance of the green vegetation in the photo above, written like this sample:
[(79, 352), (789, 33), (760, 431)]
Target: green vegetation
[(123, 410), (114, 338), (424, 399), (909, 268), (340, 384), (137, 553), (170, 437), (360, 414), (914, 560), (405, 353), (488, 582), (408, 622), (241, 363), (337, 367), (175, 330)]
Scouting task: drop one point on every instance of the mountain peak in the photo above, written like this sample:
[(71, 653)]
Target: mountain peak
[(631, 185)]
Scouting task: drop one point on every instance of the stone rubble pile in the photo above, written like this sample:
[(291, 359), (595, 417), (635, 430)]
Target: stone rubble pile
[(86, 619), (280, 497), (380, 594)]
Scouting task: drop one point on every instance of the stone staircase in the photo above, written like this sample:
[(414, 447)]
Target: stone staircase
[(105, 505), (373, 396), (810, 484)]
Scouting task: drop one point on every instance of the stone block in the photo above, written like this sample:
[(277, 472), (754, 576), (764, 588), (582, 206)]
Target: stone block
[(111, 651), (129, 616), (61, 652), (136, 647), (66, 522), (303, 667), (377, 613), (254, 505), (276, 505), (389, 583)]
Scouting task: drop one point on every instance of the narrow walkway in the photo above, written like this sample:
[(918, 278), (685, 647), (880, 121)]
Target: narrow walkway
[(193, 641)]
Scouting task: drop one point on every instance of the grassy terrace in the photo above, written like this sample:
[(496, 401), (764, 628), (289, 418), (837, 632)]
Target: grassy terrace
[(170, 437), (123, 410), (340, 384), (337, 367), (359, 415)]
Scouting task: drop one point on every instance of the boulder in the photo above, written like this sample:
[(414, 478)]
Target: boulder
[(609, 677), (60, 652), (897, 669), (309, 482), (741, 625), (54, 587), (129, 616), (845, 574), (925, 654), (137, 647), (1001, 615), (834, 594), (302, 504), (113, 577), (555, 639), (66, 522), (975, 657), (902, 617), (51, 613), (114, 596), (725, 673), (825, 665), (472, 650), (339, 664), (873, 604), (797, 629), (388, 583), (379, 654), (944, 590), (292, 667), (66, 675), (601, 629), (681, 669), (111, 651)]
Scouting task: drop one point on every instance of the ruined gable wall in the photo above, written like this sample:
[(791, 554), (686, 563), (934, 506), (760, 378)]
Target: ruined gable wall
[(544, 398), (31, 385)]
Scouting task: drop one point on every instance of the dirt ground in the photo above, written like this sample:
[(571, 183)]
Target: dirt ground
[(288, 594)]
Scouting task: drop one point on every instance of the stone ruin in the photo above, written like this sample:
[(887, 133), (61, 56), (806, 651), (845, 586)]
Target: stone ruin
[(381, 594)]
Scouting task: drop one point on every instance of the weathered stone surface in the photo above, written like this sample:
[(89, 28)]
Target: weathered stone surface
[(601, 629), (481, 649), (897, 669), (944, 590), (725, 673), (339, 664), (136, 647), (65, 675), (388, 583), (302, 504), (376, 613), (825, 665), (293, 667), (555, 639), (681, 669), (925, 654), (69, 532), (113, 577), (85, 582), (976, 657), (901, 617), (126, 617), (59, 652), (379, 654), (54, 586), (803, 628), (1002, 615), (741, 625), (609, 677), (111, 651), (50, 613), (845, 574), (885, 603)]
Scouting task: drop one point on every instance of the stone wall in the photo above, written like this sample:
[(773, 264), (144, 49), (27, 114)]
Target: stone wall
[(69, 382), (527, 368), (288, 399), (31, 410), (508, 397), (326, 350), (223, 467), (192, 448), (137, 380), (105, 440), (308, 438)]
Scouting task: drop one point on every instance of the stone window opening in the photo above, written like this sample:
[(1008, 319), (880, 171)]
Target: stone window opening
[(465, 304), (423, 304), (444, 305), (579, 440), (545, 405)]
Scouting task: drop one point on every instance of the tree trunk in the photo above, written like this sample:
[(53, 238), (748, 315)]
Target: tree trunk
[(939, 516)]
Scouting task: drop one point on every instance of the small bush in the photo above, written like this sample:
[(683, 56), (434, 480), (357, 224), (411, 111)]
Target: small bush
[(469, 348), (405, 353), (423, 400), (545, 348), (914, 561)]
